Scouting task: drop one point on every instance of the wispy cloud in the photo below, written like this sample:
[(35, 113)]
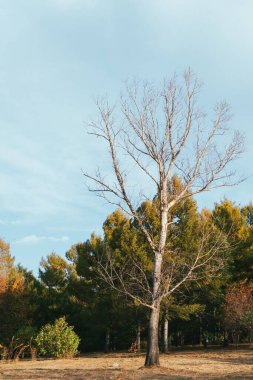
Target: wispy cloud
[(36, 186), (34, 239), (10, 222), (15, 222)]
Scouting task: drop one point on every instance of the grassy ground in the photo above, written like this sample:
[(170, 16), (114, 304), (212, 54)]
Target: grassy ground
[(191, 364)]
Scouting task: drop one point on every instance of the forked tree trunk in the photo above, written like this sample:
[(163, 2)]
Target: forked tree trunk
[(152, 356), (165, 336)]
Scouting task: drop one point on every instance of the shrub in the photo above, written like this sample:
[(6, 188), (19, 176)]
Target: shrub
[(25, 333), (57, 340)]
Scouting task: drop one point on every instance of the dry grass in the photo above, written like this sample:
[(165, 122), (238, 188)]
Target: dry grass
[(210, 364)]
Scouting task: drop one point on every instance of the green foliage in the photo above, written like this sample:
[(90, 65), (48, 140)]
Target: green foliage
[(25, 333), (246, 320), (71, 286), (55, 271), (216, 339), (57, 340), (15, 309), (185, 311), (237, 223)]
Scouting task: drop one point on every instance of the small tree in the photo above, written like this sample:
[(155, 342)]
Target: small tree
[(15, 308), (57, 340), (238, 309), (162, 133)]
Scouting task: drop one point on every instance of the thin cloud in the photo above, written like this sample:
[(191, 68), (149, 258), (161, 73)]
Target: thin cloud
[(12, 222), (34, 239), (15, 222)]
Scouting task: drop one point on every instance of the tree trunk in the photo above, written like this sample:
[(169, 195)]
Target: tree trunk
[(152, 356), (225, 338), (107, 340), (237, 339), (181, 339), (165, 336), (200, 331), (138, 338), (160, 336)]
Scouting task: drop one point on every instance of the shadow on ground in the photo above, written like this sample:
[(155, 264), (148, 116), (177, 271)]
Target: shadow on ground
[(102, 374)]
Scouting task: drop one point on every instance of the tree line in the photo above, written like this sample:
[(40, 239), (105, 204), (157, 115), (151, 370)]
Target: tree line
[(217, 309)]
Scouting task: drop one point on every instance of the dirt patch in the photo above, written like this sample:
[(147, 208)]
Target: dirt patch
[(180, 365)]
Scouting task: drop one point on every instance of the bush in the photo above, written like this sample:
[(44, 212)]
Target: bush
[(25, 333), (57, 340)]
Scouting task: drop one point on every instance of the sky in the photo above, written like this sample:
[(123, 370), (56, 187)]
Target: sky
[(57, 56)]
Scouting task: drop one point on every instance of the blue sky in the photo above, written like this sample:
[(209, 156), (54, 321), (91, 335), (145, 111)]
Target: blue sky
[(57, 55)]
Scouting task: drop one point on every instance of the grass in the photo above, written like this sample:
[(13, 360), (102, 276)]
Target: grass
[(189, 364)]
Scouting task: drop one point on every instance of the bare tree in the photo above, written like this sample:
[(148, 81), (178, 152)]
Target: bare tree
[(164, 133)]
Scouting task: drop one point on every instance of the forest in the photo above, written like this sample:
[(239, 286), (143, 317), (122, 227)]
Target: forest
[(214, 308)]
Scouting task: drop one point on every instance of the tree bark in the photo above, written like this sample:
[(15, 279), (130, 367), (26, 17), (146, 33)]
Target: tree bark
[(107, 340), (138, 337), (200, 331), (165, 336), (237, 339), (152, 356)]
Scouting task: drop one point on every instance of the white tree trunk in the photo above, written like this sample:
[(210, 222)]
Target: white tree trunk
[(165, 336)]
